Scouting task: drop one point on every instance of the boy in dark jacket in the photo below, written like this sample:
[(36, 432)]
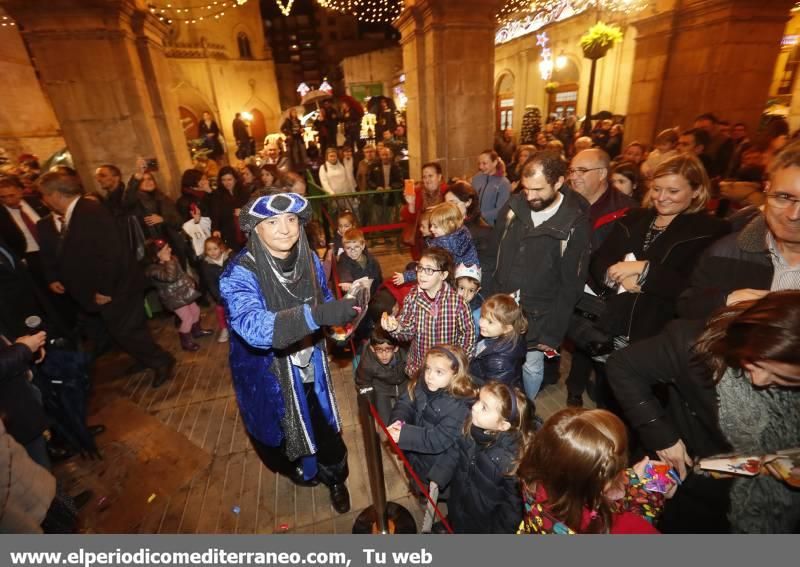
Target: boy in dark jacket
[(357, 262), (382, 367)]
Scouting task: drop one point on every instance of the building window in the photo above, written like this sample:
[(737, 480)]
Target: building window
[(244, 46)]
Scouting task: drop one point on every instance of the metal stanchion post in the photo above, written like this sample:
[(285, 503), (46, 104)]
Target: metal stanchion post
[(382, 517)]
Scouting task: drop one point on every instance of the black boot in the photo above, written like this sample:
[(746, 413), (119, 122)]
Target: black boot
[(198, 331), (340, 498), (187, 343), (296, 476)]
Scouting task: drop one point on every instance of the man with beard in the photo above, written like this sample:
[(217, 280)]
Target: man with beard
[(276, 300), (542, 247)]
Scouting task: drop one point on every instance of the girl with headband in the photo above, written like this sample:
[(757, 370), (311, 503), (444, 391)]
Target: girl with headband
[(485, 496)]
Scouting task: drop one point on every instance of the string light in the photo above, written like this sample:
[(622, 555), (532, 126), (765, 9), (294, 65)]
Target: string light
[(7, 22), (518, 18), (369, 11), (285, 9), (518, 9), (189, 15)]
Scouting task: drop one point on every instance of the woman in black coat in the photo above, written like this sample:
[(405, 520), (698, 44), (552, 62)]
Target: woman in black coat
[(223, 206), (733, 387), (195, 190), (209, 131), (464, 196), (666, 239), (156, 212)]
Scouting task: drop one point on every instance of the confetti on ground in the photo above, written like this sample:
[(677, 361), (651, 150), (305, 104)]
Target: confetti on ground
[(236, 510), (151, 498)]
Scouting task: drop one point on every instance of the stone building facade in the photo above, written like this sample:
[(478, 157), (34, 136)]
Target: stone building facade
[(116, 80)]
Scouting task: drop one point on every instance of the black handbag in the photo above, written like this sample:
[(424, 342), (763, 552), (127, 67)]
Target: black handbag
[(583, 325)]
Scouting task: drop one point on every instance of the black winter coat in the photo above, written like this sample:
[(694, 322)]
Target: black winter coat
[(500, 361), (610, 205), (692, 412), (221, 205), (672, 257), (371, 372), (692, 415), (211, 275), (485, 496), (9, 230), (21, 412), (546, 263), (737, 261), (191, 197), (94, 258), (432, 424), (350, 270)]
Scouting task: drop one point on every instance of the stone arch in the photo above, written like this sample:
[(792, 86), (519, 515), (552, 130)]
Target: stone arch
[(504, 100), (258, 127), (192, 103), (243, 42)]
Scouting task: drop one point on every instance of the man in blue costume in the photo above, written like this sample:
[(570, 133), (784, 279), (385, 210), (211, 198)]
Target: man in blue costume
[(276, 299)]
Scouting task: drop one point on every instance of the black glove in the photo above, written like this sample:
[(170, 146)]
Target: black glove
[(334, 312)]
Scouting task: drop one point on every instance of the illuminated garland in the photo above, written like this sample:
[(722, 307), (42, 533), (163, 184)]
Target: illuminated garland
[(519, 18), (369, 11), (6, 21), (518, 9), (194, 14)]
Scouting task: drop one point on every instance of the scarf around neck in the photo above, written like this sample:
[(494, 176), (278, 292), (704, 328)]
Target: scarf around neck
[(288, 284)]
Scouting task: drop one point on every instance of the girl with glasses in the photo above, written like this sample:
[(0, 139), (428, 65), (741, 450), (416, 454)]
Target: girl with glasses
[(433, 313)]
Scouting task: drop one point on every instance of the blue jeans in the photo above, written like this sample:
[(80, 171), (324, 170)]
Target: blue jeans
[(533, 373)]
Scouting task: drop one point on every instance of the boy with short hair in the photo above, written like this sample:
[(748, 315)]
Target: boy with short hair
[(382, 366), (357, 262), (344, 222), (468, 285)]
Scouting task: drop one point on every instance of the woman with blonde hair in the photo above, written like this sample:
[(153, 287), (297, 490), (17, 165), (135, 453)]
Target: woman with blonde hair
[(651, 252), (646, 261)]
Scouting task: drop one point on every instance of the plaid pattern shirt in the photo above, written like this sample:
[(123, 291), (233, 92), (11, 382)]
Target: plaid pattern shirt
[(426, 322)]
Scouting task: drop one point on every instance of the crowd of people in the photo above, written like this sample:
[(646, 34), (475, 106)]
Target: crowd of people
[(670, 271)]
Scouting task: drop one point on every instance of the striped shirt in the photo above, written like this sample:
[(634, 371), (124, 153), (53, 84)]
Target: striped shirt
[(426, 322), (786, 277)]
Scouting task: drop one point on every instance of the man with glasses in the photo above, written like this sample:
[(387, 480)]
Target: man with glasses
[(588, 175), (763, 256)]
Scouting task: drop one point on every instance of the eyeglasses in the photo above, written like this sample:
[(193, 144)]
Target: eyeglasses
[(427, 271), (581, 171), (383, 350), (782, 200)]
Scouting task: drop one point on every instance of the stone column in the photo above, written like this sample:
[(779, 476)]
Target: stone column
[(448, 59), (101, 63), (704, 56)]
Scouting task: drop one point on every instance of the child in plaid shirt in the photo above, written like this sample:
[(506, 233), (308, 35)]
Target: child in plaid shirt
[(432, 313)]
